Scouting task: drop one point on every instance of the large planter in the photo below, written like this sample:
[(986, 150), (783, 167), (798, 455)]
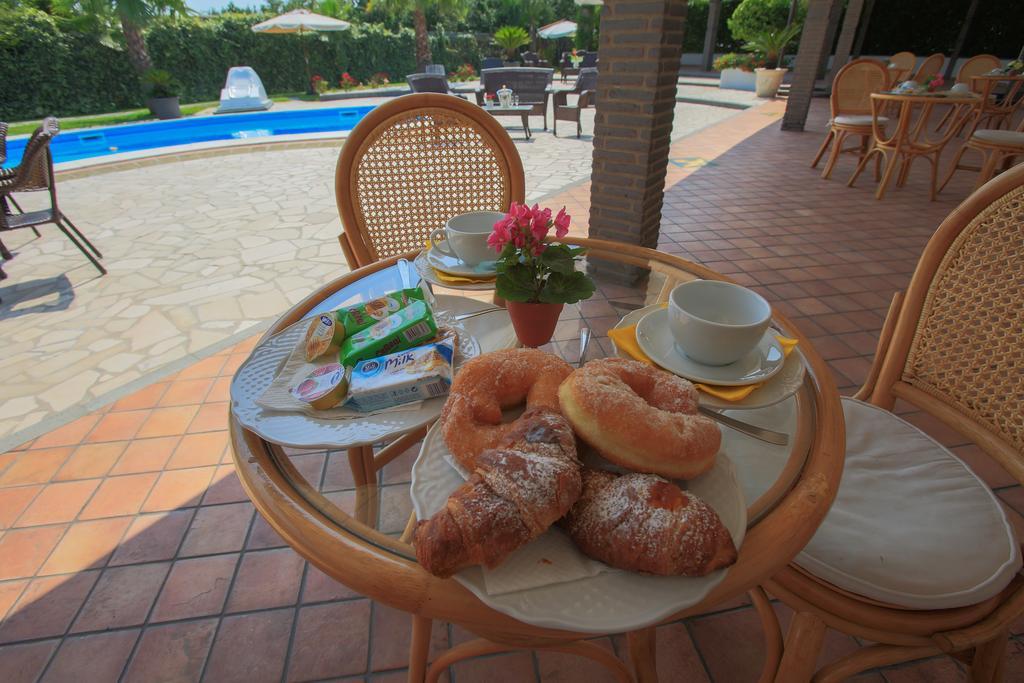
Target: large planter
[(534, 323), (737, 79), (164, 107), (768, 81)]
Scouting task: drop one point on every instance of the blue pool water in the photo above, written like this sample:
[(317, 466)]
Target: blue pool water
[(93, 142)]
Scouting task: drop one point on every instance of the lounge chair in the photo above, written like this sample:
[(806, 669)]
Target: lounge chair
[(586, 89), (530, 84), (243, 91)]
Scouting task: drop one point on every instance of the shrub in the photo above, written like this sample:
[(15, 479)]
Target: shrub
[(466, 72), (510, 39), (744, 61), (379, 78), (753, 17), (773, 42), (159, 83), (319, 84), (347, 81), (697, 25)]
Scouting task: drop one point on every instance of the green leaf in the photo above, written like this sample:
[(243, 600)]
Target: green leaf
[(558, 259), (516, 282), (567, 289)]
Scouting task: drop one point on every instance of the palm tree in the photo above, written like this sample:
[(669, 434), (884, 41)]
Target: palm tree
[(455, 9)]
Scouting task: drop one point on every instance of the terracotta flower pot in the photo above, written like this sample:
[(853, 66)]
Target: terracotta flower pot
[(534, 323)]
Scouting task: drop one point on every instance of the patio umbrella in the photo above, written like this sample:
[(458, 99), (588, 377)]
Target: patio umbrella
[(301, 21), (563, 28)]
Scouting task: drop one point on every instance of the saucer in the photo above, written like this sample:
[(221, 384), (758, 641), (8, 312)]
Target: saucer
[(454, 266), (656, 340)]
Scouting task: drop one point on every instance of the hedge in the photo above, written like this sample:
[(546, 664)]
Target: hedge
[(697, 24)]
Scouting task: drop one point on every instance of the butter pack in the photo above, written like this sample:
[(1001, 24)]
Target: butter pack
[(404, 329), (328, 331), (411, 375)]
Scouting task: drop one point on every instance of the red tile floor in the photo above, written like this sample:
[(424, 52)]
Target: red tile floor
[(128, 550)]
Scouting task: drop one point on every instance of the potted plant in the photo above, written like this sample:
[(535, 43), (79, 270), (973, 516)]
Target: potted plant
[(510, 39), (772, 44), (736, 70), (162, 90), (536, 277)]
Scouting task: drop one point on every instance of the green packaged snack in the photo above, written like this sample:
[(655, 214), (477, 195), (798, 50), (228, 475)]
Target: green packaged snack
[(410, 326), (361, 316)]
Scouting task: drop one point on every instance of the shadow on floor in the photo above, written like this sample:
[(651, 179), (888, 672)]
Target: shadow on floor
[(13, 299)]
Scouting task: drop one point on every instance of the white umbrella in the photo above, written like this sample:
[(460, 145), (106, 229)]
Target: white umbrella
[(301, 21), (563, 28)]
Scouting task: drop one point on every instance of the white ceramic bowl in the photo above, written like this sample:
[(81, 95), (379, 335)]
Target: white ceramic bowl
[(717, 323)]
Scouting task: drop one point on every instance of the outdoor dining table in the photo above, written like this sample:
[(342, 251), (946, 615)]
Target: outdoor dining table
[(357, 527), (1000, 96), (520, 110)]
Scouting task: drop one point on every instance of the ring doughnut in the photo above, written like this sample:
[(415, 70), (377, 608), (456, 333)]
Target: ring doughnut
[(471, 418), (640, 417)]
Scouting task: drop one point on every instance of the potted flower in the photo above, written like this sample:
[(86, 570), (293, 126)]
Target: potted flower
[(162, 90), (536, 277), (772, 44), (736, 70), (510, 39)]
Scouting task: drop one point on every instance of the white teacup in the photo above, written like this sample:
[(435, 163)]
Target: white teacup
[(960, 88), (465, 237), (717, 323)]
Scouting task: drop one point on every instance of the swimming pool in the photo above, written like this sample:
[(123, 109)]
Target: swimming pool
[(94, 142)]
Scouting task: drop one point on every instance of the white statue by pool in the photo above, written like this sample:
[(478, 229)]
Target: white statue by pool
[(243, 91)]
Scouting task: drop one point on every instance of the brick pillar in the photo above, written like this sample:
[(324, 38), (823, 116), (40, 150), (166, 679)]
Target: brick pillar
[(639, 54), (808, 56), (850, 21)]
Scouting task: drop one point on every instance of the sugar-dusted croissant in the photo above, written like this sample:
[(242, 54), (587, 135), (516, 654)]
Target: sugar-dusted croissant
[(643, 523), (515, 493)]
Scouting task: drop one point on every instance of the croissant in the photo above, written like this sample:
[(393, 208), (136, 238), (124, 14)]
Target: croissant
[(515, 493), (643, 523)]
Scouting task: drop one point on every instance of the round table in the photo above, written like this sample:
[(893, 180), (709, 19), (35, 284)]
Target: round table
[(355, 528)]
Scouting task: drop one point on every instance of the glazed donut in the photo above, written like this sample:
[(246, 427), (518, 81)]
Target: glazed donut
[(471, 418), (640, 417)]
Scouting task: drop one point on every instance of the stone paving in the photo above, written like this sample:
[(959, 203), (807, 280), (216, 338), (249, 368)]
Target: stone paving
[(201, 253)]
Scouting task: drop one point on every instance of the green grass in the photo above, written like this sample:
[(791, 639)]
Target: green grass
[(129, 116)]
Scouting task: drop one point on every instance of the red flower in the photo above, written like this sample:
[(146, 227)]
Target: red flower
[(561, 223)]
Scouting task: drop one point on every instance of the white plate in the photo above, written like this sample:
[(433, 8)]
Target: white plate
[(428, 273), (656, 340), (610, 602), (480, 334), (454, 266), (777, 389)]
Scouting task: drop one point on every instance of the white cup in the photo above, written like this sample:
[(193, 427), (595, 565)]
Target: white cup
[(717, 323), (960, 88), (465, 237)]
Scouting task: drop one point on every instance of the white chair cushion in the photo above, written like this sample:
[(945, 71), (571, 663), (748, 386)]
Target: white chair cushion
[(911, 525), (857, 119), (1000, 137)]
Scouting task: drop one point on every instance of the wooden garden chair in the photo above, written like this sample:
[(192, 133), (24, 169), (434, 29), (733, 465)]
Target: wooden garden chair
[(850, 103), (977, 65), (916, 554), (903, 63), (930, 68), (997, 148)]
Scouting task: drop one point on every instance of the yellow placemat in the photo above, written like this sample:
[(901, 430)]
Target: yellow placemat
[(625, 339), (457, 279)]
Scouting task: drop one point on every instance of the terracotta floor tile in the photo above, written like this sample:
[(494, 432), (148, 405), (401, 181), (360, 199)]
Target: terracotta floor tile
[(10, 591), (233, 362), (118, 426), (392, 631), (211, 417), (266, 579), (310, 467), (559, 667), (1014, 497), (184, 392), (196, 587), (982, 464), (24, 663), (122, 597), (91, 460), (146, 455), (939, 670), (511, 668), (173, 653), (320, 588), (263, 536), (178, 488), (13, 502), (225, 487), (676, 655), (152, 537), (251, 648), (217, 529), (25, 550), (70, 434), (47, 606), (147, 397), (120, 496), (86, 545), (196, 450), (99, 657), (167, 421), (331, 640), (208, 367), (58, 502), (221, 390), (35, 467)]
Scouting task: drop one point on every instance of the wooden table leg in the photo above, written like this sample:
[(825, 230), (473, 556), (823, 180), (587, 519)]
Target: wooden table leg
[(803, 643), (419, 648), (643, 654), (526, 125)]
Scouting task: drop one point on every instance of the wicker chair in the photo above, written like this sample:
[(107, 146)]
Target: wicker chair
[(997, 148), (930, 68), (952, 346), (850, 103), (436, 69), (491, 63), (903, 64), (430, 83), (530, 84), (586, 90), (413, 163), (589, 60), (975, 66), (35, 173)]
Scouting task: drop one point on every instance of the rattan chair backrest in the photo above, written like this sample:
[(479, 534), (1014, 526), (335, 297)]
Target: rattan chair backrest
[(3, 141), (413, 163), (930, 68), (958, 346), (587, 79), (853, 85), (35, 170), (427, 83), (976, 66), (904, 61)]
